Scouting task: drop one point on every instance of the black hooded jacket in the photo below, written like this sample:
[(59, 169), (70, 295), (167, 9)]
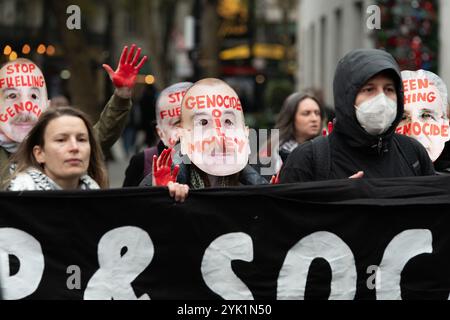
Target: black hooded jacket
[(352, 149)]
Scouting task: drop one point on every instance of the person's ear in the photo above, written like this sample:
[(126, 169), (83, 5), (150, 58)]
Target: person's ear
[(39, 154)]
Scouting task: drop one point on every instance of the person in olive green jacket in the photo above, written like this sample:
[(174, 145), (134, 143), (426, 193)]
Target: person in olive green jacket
[(23, 98)]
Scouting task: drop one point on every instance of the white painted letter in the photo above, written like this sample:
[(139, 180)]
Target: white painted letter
[(216, 265), (113, 279), (29, 253), (322, 244), (400, 250)]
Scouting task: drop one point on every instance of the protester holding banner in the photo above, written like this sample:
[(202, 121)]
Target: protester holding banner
[(60, 152), (23, 98), (168, 111), (425, 118), (299, 120), (369, 104), (214, 142)]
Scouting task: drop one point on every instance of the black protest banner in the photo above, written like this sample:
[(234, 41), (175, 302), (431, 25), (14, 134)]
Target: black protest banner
[(345, 239)]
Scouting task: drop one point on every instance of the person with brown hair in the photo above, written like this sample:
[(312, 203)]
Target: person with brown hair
[(60, 152), (23, 98), (299, 120)]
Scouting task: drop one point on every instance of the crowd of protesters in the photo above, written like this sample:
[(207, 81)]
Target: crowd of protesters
[(203, 139)]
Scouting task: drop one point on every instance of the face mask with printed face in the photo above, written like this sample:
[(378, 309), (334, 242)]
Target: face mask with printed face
[(376, 115), (23, 98), (425, 117), (214, 135)]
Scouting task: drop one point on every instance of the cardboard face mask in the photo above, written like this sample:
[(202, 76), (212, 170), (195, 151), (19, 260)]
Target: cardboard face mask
[(214, 134), (168, 112), (23, 98), (425, 117)]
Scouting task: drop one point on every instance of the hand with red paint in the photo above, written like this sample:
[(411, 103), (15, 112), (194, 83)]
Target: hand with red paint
[(275, 179), (124, 78), (162, 169), (330, 129)]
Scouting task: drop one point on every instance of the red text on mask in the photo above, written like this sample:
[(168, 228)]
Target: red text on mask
[(427, 129), (415, 85), (11, 112), (212, 101), (176, 96), (20, 67), (222, 142), (170, 113), (22, 81)]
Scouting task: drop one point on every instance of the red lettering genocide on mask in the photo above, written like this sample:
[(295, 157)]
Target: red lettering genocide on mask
[(212, 101), (16, 109), (427, 129)]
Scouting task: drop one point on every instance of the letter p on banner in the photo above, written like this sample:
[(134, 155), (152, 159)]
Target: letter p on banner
[(15, 242)]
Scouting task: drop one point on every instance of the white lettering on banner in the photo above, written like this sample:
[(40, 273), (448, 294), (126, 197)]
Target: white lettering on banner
[(216, 265), (113, 279), (125, 252), (322, 244), (400, 250), (29, 253)]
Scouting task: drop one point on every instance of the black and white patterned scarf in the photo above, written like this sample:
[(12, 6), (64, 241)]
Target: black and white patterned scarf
[(33, 179), (289, 145)]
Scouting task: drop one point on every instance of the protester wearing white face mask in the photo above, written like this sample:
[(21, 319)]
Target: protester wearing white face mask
[(368, 99), (377, 114)]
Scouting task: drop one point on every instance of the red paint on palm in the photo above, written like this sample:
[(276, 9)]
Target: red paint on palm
[(162, 169), (128, 69), (275, 179), (330, 127)]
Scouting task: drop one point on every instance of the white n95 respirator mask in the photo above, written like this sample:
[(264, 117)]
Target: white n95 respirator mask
[(377, 114)]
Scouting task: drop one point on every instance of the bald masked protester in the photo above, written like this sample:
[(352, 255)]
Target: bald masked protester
[(368, 98), (168, 112), (214, 143)]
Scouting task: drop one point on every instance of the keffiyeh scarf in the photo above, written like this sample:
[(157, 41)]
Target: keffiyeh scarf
[(33, 179)]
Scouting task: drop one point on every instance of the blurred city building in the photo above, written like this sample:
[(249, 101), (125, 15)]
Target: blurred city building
[(249, 43), (415, 32)]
